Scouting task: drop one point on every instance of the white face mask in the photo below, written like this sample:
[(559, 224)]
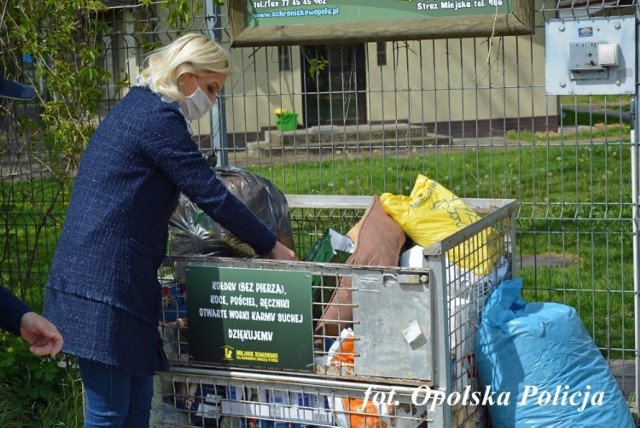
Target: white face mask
[(196, 105)]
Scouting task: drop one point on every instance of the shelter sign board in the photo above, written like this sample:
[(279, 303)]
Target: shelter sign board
[(250, 317), (308, 22)]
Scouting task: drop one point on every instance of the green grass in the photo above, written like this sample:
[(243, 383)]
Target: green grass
[(31, 216), (64, 409), (36, 391), (542, 176), (573, 120), (596, 100), (598, 121)]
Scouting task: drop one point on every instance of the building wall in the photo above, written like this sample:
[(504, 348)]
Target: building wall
[(468, 87)]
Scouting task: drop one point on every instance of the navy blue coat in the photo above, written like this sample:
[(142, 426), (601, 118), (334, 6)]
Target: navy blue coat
[(102, 290), (11, 311)]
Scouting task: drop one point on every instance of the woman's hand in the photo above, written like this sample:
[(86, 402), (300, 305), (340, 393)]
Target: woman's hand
[(41, 334), (281, 252)]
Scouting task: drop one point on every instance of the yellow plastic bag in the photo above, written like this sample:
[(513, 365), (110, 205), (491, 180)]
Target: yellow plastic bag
[(431, 213)]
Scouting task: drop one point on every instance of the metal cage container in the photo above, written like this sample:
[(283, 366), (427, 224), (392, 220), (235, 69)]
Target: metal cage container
[(412, 334)]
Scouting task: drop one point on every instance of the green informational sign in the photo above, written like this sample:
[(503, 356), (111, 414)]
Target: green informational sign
[(308, 22), (250, 317), (290, 12)]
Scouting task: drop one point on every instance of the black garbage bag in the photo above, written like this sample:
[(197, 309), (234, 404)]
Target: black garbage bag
[(194, 233)]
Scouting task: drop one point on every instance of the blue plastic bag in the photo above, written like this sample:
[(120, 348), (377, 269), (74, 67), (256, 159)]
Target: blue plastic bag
[(543, 363)]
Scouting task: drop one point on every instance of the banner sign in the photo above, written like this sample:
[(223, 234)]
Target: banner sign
[(288, 22), (250, 317)]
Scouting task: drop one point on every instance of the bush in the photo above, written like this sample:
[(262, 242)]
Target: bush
[(36, 391)]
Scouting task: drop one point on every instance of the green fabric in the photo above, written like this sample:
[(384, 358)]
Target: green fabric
[(324, 252)]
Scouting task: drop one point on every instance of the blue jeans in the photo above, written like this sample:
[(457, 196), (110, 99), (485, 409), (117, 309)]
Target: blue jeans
[(115, 398)]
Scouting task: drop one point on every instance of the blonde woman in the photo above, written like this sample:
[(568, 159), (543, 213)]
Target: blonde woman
[(102, 290)]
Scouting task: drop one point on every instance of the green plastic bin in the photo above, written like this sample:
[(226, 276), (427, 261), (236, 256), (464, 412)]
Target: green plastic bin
[(287, 121)]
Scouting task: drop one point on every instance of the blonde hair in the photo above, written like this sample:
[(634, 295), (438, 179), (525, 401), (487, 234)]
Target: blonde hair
[(191, 53)]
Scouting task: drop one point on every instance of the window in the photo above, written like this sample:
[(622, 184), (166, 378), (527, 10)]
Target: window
[(284, 58), (381, 50)]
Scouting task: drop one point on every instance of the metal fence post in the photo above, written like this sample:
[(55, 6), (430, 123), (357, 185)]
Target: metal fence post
[(218, 117), (636, 218)]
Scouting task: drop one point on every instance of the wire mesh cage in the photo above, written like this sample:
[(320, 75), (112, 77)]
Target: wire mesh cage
[(400, 328), (193, 399)]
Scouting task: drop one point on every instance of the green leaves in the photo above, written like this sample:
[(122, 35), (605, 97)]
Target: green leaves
[(179, 16), (63, 39), (27, 377), (316, 66)]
